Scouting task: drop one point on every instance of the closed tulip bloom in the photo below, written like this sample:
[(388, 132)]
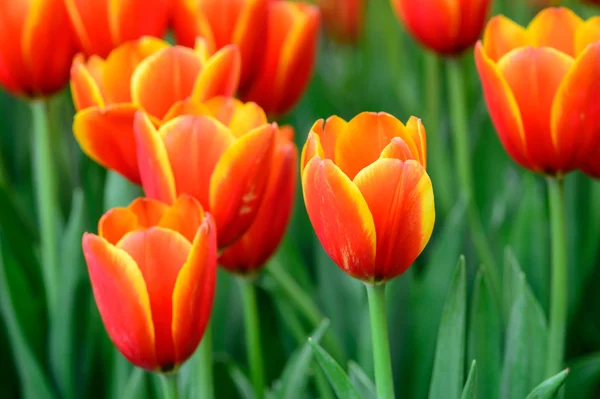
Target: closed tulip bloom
[(343, 19), (541, 86), (102, 25), (147, 75), (250, 252), (447, 27), (224, 163), (223, 22), (153, 270), (367, 193), (289, 59), (37, 47)]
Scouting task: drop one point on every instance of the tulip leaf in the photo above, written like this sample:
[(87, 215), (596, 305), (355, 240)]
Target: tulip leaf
[(447, 378), (549, 389), (338, 379), (135, 387), (584, 377), (470, 388), (485, 336), (240, 380), (361, 381)]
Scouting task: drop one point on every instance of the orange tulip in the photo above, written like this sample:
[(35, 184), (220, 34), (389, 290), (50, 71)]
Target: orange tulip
[(343, 19), (224, 163), (289, 57), (257, 245), (147, 75), (153, 272), (540, 84), (367, 193), (102, 25), (446, 27), (223, 22), (37, 46)]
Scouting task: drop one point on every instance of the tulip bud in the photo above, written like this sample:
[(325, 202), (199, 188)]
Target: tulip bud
[(343, 19)]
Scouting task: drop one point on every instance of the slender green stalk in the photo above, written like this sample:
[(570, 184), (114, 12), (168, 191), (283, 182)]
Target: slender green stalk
[(558, 294), (252, 325), (169, 386), (437, 159), (381, 345), (462, 157), (205, 369), (46, 198)]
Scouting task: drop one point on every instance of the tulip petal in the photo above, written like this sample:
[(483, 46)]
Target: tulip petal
[(592, 166), (576, 109), (164, 78), (536, 73), (194, 146), (153, 162), (238, 116), (397, 149), (159, 254), (238, 182), (312, 148), (141, 213), (185, 107), (588, 33), (554, 27), (131, 19), (148, 211), (184, 217), (122, 299), (502, 35), (503, 108), (106, 136), (84, 88), (220, 75), (194, 291), (354, 149), (400, 198), (90, 23), (416, 140), (332, 129)]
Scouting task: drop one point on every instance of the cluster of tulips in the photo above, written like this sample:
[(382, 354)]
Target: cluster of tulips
[(192, 124)]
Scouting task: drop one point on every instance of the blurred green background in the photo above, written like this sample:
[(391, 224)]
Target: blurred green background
[(73, 357)]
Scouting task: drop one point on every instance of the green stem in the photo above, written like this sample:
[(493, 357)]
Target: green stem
[(169, 386), (46, 198), (438, 158), (205, 368), (462, 157), (558, 295), (252, 325), (381, 345)]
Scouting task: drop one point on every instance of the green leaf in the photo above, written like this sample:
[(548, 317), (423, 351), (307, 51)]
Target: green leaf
[(526, 340), (119, 192), (447, 379), (485, 336), (135, 387), (470, 388), (337, 377), (584, 377), (361, 381), (295, 374), (549, 388)]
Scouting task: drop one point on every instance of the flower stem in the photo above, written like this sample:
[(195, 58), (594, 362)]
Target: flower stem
[(462, 157), (205, 369), (46, 198), (558, 295), (381, 345), (252, 326), (169, 386)]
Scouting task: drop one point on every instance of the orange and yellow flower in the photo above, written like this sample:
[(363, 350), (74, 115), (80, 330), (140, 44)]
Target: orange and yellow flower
[(446, 27), (147, 75), (102, 25), (343, 19), (367, 193), (223, 22), (290, 49), (540, 84), (36, 48), (250, 252), (221, 157), (153, 271)]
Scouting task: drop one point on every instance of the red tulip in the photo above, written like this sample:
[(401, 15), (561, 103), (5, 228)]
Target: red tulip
[(153, 272), (343, 19)]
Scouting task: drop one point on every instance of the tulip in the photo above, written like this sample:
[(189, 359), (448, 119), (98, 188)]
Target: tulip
[(290, 56), (224, 163), (147, 75), (554, 61), (153, 274), (102, 25), (446, 27), (37, 47), (223, 22), (249, 253), (343, 19), (367, 193)]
